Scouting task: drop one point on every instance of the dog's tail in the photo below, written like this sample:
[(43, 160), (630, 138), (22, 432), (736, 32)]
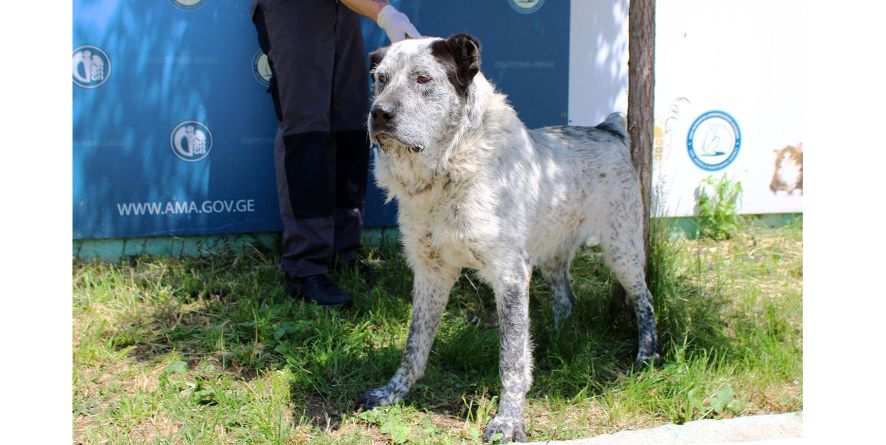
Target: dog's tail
[(615, 124)]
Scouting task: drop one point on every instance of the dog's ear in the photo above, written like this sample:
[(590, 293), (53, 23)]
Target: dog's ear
[(460, 55), (376, 57), (466, 50)]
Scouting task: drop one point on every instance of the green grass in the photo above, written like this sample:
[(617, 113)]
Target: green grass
[(206, 350)]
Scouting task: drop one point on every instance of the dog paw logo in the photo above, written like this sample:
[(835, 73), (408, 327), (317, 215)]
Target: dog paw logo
[(526, 6), (713, 141), (191, 141), (188, 4), (261, 68), (91, 66)]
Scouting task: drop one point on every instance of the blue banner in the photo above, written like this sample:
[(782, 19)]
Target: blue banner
[(173, 128)]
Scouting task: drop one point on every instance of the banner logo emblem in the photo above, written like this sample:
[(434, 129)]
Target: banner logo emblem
[(191, 141), (261, 68), (188, 4), (526, 6), (713, 141), (91, 66)]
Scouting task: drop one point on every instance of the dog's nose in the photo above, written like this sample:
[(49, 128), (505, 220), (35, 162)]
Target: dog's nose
[(382, 115)]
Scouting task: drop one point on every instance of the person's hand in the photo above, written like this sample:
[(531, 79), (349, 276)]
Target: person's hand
[(396, 24)]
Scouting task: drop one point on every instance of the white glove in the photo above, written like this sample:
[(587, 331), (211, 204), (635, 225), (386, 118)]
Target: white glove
[(396, 24)]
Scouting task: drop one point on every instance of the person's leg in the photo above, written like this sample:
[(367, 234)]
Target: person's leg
[(348, 231), (350, 106), (352, 165), (307, 241), (299, 38)]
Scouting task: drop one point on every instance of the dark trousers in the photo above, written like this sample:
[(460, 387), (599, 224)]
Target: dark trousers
[(321, 154)]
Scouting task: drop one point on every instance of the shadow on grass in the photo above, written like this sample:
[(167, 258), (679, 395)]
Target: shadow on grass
[(229, 310)]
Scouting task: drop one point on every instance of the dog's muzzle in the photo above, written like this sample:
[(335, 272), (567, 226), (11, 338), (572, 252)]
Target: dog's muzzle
[(382, 117), (388, 142), (383, 130)]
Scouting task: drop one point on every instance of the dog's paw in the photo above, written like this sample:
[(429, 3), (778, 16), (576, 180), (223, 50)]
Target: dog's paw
[(373, 399), (648, 354), (644, 361), (504, 430)]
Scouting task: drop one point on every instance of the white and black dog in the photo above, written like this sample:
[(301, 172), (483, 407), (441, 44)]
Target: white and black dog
[(476, 189)]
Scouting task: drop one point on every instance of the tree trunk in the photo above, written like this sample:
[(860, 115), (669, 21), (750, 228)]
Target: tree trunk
[(641, 86), (641, 83)]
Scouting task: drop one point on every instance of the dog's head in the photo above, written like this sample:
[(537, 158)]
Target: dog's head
[(420, 91)]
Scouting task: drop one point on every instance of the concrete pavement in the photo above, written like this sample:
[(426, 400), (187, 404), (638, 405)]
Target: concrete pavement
[(774, 428)]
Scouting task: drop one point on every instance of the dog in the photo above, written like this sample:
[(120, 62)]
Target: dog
[(476, 189), (788, 173)]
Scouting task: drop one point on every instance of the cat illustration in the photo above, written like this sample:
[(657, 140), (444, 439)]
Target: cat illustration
[(788, 175)]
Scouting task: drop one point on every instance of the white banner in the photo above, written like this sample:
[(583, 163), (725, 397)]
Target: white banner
[(727, 94)]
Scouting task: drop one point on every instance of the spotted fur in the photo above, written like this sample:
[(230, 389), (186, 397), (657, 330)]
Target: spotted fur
[(476, 189)]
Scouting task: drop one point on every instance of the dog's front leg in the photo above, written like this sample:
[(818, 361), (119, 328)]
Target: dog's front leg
[(430, 292), (515, 356)]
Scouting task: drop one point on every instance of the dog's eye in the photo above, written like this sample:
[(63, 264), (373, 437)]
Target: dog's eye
[(381, 78), (422, 79)]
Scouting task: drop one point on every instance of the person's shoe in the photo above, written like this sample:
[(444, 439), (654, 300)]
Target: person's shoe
[(317, 289)]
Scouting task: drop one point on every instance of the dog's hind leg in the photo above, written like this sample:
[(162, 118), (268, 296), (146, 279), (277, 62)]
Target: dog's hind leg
[(430, 294), (556, 273), (626, 259)]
